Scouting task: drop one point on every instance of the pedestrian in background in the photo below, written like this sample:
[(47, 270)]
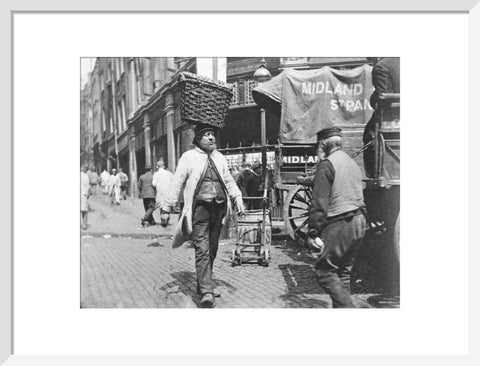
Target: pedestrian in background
[(257, 168), (146, 191), (235, 171), (249, 183), (123, 183), (84, 194), (93, 180), (161, 182), (104, 177), (114, 184), (337, 216), (207, 213)]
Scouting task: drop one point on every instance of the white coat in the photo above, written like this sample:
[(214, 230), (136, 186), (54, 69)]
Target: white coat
[(161, 181), (104, 178), (190, 169), (114, 184)]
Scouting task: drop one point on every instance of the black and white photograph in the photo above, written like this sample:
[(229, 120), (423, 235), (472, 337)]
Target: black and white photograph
[(247, 162), (240, 182)]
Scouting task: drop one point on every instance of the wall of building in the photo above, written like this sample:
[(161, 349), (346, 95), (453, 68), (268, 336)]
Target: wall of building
[(132, 94), (86, 126)]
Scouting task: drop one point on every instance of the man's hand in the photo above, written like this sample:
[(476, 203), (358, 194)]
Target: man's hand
[(316, 244), (164, 218), (240, 207)]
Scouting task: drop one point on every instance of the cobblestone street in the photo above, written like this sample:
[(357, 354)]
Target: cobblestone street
[(124, 265)]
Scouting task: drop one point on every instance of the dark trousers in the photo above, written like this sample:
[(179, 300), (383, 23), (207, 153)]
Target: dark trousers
[(342, 240), (369, 154), (206, 226), (124, 190), (149, 205)]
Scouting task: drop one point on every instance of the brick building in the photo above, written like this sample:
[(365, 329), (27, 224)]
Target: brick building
[(133, 109), (86, 126)]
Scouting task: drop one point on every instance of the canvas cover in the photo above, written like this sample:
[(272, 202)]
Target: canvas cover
[(309, 100)]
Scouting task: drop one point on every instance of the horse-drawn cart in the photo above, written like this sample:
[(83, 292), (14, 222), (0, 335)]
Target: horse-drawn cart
[(382, 188), (308, 100)]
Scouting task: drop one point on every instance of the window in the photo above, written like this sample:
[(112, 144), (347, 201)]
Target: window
[(111, 124), (124, 114), (235, 99), (117, 69), (249, 85), (104, 125), (242, 92), (122, 67), (120, 116)]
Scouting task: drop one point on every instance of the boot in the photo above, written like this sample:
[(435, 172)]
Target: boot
[(208, 300)]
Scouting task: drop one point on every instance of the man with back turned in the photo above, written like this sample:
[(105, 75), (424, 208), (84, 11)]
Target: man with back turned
[(336, 222), (146, 192)]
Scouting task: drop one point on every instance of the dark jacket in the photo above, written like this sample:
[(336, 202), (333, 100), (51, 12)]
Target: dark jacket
[(145, 187), (337, 192), (249, 183), (385, 77)]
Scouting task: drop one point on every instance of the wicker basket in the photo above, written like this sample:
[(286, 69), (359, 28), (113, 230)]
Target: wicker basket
[(204, 100)]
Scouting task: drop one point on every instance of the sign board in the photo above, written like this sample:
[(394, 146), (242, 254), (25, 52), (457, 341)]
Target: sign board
[(314, 99), (299, 159)]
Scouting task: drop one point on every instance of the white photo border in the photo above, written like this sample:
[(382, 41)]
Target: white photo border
[(6, 235)]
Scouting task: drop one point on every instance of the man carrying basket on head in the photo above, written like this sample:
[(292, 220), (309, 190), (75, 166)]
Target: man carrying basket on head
[(207, 214)]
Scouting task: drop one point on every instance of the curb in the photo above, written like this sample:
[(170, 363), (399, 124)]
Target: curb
[(279, 236), (125, 235)]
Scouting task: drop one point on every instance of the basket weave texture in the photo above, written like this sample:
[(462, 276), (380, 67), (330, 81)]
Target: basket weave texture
[(204, 100)]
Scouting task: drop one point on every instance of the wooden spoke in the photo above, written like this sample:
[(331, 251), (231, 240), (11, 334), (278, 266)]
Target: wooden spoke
[(304, 208), (302, 225), (299, 216), (296, 211), (308, 193), (300, 198)]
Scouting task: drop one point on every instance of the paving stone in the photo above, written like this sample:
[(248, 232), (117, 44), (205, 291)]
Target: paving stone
[(129, 271)]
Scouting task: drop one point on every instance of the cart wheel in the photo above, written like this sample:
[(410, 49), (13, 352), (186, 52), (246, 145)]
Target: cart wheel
[(296, 211)]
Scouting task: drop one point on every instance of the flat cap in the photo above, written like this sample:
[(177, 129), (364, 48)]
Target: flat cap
[(203, 127), (325, 133)]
